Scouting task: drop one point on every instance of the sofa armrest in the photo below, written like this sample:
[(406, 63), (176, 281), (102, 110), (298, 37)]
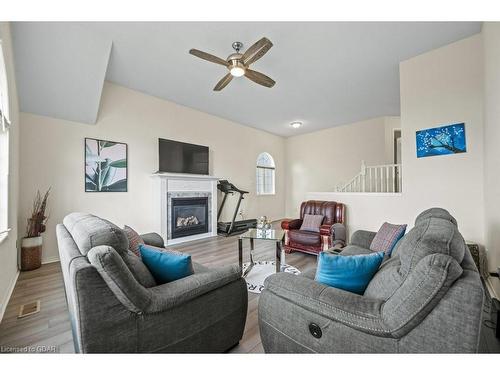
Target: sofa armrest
[(421, 291), (119, 279), (353, 310), (362, 238), (153, 239), (337, 231), (332, 235), (291, 224), (175, 293), (339, 235)]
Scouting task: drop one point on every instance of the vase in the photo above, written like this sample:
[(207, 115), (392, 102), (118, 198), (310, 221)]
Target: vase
[(31, 253)]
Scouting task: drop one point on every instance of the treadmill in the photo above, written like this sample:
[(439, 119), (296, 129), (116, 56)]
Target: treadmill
[(233, 227)]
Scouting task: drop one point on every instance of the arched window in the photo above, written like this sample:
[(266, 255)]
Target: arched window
[(265, 174)]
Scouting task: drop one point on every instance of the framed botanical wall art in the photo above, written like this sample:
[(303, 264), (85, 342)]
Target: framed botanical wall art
[(443, 140), (105, 166)]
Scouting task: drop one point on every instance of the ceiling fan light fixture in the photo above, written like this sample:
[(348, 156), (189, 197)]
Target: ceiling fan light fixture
[(237, 70), (296, 124)]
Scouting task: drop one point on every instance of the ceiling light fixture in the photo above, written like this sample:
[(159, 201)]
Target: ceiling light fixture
[(237, 71), (296, 124)]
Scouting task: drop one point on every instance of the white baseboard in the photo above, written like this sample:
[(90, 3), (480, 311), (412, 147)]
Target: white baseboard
[(50, 260), (4, 304)]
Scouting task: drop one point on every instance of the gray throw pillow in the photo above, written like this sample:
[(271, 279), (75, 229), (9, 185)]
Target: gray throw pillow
[(312, 223)]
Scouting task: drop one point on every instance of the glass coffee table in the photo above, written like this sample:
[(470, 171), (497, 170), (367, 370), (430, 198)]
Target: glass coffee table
[(276, 235)]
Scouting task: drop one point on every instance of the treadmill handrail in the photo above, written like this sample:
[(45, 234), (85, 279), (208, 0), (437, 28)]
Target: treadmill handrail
[(226, 187)]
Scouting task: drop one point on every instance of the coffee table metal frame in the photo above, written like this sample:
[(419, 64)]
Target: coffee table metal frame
[(279, 253)]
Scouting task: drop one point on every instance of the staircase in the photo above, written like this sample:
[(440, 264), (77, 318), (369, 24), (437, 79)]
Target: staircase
[(374, 179)]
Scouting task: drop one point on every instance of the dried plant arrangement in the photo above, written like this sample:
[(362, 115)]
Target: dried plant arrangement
[(37, 221)]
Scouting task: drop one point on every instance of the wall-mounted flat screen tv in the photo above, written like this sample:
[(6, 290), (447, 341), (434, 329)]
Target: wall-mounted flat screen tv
[(180, 157)]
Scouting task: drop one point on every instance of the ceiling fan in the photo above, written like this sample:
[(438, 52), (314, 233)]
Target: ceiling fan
[(238, 63)]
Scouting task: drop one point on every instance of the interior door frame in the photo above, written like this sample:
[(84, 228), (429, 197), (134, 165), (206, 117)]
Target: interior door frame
[(395, 156)]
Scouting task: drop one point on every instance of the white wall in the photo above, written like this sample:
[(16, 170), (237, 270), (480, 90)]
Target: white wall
[(52, 154), (491, 41), (8, 250), (321, 160), (443, 86)]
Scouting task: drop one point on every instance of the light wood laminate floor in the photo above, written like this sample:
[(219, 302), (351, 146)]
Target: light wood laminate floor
[(50, 330)]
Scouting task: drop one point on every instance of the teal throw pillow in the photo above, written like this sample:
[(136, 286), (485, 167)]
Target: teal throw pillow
[(351, 272), (166, 266)]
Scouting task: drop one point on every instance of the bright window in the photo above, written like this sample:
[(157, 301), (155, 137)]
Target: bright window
[(4, 181), (4, 149), (265, 174)]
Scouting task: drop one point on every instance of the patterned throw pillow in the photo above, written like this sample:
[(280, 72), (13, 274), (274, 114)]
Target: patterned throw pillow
[(312, 223), (387, 237), (134, 240)]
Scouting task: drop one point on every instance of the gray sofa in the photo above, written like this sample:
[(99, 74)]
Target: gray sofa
[(426, 298), (116, 306)]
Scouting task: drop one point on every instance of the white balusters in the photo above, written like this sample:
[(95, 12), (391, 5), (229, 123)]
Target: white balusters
[(375, 179)]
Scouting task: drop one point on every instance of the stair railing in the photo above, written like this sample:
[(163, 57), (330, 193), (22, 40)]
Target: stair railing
[(375, 179)]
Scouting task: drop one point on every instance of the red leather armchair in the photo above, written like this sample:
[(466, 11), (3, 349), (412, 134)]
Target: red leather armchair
[(314, 242)]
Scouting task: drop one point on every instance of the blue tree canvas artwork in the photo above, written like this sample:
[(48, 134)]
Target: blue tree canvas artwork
[(105, 166), (444, 140)]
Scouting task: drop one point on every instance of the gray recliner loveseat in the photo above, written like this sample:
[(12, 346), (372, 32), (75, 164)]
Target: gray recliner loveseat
[(116, 306), (426, 298)]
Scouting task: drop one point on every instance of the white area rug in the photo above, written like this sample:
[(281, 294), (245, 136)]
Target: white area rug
[(261, 270)]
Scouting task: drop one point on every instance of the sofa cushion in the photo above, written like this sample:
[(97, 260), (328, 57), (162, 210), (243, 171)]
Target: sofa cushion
[(435, 212), (305, 237), (350, 273), (89, 231), (134, 240), (386, 281), (355, 250), (429, 236), (311, 223), (387, 237)]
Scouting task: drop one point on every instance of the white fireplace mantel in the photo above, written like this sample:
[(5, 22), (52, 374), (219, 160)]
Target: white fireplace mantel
[(187, 185), (184, 176)]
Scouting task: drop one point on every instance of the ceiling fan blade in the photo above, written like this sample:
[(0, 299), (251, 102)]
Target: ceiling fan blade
[(223, 82), (208, 57), (259, 78), (256, 51)]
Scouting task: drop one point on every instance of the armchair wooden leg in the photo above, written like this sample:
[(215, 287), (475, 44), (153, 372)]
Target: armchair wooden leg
[(286, 237)]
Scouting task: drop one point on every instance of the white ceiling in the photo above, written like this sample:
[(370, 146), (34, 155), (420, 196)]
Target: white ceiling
[(327, 74)]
